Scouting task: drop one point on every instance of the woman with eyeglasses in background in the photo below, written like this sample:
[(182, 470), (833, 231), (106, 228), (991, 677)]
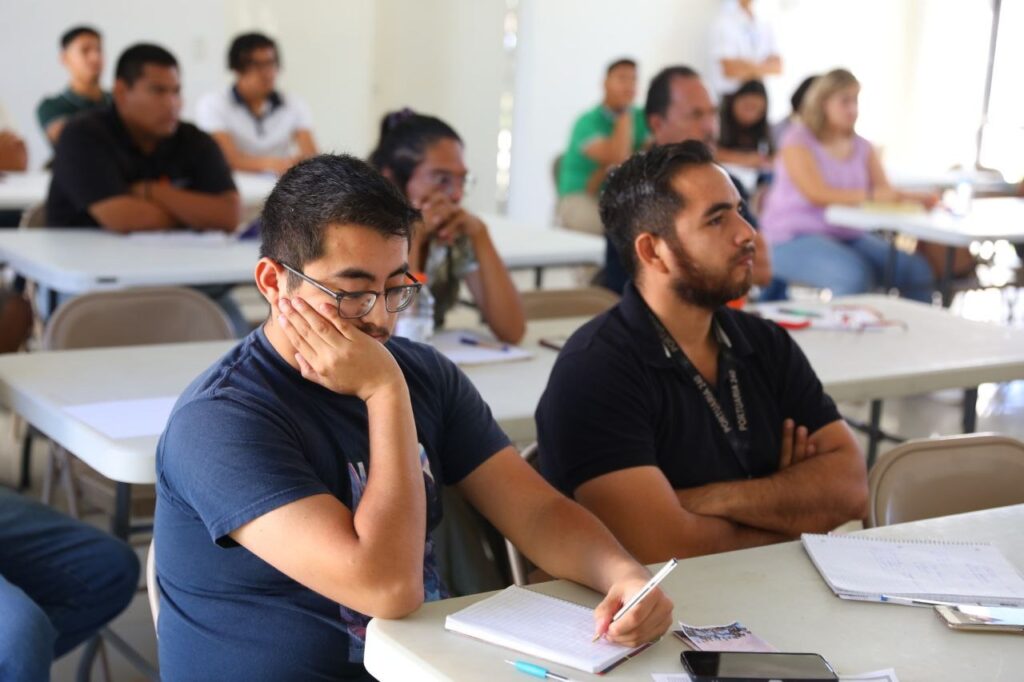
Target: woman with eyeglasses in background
[(423, 156)]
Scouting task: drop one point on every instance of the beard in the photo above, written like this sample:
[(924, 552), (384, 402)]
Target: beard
[(697, 286), (372, 330)]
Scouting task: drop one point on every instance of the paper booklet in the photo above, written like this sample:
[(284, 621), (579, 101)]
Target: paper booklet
[(865, 568), (539, 625), (466, 349)]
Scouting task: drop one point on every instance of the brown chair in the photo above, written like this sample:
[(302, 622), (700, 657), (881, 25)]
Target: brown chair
[(925, 478), (547, 304), (33, 216), (130, 317), (519, 565)]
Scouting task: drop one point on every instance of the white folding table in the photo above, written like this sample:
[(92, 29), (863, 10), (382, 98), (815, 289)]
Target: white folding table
[(988, 219), (773, 590)]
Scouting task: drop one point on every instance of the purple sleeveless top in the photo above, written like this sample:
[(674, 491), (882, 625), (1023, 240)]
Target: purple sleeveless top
[(787, 213)]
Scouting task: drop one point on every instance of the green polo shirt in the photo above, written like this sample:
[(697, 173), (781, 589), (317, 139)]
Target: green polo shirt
[(67, 104), (576, 168)]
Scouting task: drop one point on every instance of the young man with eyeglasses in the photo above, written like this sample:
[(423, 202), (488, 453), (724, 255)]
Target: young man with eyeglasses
[(672, 406), (299, 477), (258, 128)]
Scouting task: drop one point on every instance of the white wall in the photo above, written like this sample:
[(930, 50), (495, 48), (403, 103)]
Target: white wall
[(445, 58), (29, 52), (563, 49)]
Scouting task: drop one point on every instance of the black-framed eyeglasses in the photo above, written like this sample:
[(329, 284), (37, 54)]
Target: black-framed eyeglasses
[(353, 304)]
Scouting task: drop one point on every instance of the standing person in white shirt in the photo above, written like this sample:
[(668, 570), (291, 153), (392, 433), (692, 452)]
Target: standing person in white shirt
[(743, 48), (258, 129)]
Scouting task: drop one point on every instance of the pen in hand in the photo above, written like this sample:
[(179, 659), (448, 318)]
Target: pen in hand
[(644, 591)]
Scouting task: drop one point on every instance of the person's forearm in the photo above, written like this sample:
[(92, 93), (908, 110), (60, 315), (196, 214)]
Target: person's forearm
[(132, 214), (622, 137), (813, 496), (198, 210), (254, 164), (501, 305), (390, 519), (740, 69), (740, 158), (14, 158)]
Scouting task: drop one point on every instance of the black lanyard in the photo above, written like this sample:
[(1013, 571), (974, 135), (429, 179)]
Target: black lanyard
[(737, 436)]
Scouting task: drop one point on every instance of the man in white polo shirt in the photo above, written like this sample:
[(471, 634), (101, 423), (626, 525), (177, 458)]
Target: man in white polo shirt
[(257, 128), (743, 48)]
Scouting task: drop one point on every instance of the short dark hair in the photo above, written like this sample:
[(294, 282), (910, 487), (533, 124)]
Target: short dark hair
[(244, 45), (638, 196), (134, 59), (659, 93), (404, 138), (797, 98), (622, 61), (76, 31), (329, 190)]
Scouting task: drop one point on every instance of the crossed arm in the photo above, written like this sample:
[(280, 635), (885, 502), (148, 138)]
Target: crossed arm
[(820, 485), (162, 206)]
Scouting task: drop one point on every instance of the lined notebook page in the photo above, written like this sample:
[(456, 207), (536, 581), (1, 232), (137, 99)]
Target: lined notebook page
[(538, 625), (869, 567)]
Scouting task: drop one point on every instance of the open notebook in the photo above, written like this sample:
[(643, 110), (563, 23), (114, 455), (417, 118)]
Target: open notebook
[(542, 626), (865, 568)]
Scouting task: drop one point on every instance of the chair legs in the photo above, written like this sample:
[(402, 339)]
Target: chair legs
[(59, 466)]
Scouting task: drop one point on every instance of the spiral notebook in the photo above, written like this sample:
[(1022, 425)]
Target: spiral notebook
[(865, 568), (539, 625)]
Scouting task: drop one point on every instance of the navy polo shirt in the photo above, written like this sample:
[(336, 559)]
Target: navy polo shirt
[(615, 401)]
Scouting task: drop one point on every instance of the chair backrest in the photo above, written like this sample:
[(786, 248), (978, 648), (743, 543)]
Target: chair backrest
[(553, 303), (518, 564), (33, 216), (925, 478), (136, 317), (152, 589)]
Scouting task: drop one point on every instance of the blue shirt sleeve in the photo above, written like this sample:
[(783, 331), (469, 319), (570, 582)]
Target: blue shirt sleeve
[(469, 435), (230, 461)]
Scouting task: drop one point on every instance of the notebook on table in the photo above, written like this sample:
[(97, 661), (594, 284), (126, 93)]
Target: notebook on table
[(542, 626), (865, 568)]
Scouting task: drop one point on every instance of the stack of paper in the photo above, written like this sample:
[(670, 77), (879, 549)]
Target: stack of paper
[(542, 626), (866, 568)]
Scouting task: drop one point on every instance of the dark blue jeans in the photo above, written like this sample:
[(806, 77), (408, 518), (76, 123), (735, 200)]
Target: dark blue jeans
[(60, 581)]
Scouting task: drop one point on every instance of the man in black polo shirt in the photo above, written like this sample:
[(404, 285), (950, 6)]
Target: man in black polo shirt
[(135, 166), (679, 108), (687, 427)]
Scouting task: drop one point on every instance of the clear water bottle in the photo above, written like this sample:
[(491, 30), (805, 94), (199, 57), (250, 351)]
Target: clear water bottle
[(416, 322)]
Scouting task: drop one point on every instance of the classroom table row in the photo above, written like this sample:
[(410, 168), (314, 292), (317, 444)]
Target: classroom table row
[(77, 261), (898, 358), (775, 591)]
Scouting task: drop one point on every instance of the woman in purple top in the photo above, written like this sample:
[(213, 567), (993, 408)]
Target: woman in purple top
[(822, 161)]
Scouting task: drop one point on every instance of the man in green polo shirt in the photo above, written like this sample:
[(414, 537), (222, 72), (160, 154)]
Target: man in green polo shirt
[(81, 53), (602, 138)]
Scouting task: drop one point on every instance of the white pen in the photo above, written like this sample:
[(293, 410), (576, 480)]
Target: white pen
[(644, 591)]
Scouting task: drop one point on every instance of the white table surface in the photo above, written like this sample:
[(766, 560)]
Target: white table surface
[(77, 261), (39, 386), (989, 219), (18, 191), (775, 591), (852, 366)]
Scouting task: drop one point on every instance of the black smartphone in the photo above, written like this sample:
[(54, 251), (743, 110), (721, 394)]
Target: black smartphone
[(742, 666)]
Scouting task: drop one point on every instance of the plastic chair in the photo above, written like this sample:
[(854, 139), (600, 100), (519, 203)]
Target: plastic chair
[(152, 591), (925, 478), (519, 565), (130, 317), (554, 303), (33, 216)]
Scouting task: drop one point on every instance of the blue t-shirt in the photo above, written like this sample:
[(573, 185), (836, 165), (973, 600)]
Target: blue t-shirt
[(251, 435)]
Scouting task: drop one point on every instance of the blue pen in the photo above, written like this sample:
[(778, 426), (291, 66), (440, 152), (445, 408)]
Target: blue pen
[(473, 341), (537, 671)]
